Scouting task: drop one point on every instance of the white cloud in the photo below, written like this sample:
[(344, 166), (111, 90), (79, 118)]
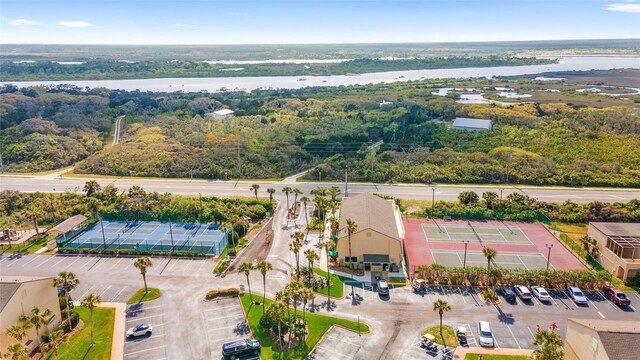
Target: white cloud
[(627, 8), (23, 22), (239, 14), (74, 24), (184, 25)]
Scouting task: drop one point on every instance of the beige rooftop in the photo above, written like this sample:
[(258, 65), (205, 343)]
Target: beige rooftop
[(370, 212)]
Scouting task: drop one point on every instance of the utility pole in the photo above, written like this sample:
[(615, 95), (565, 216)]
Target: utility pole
[(549, 246), (239, 166), (346, 181), (171, 234), (104, 240), (433, 199), (509, 162), (373, 158)]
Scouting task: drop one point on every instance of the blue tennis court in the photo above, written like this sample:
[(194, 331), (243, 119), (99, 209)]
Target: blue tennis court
[(152, 236)]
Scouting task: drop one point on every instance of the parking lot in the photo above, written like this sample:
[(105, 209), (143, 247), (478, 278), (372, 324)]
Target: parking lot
[(106, 264), (149, 346), (338, 343), (225, 322)]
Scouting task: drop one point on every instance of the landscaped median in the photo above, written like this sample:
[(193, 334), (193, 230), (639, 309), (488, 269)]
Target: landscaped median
[(317, 325), (450, 338), (141, 296), (495, 357), (337, 284)]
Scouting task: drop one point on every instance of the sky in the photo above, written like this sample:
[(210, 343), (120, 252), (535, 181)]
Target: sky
[(305, 21)]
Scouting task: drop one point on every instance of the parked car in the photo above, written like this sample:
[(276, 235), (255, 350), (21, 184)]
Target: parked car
[(618, 297), (140, 330), (486, 337), (576, 295), (507, 294), (522, 292), (541, 293), (235, 349), (383, 287)]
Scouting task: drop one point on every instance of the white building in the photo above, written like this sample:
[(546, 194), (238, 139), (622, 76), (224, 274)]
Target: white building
[(472, 124), (221, 113)]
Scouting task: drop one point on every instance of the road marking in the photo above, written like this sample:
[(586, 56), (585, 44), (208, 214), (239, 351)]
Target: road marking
[(238, 314), (35, 257), (105, 290), (46, 261), (159, 266), (74, 261), (496, 342), (535, 301), (59, 261), (632, 308), (143, 350), (553, 300), (533, 336), (599, 313), (85, 293), (200, 267), (462, 295), (116, 264), (142, 318), (175, 261), (115, 297), (514, 337), (444, 292)]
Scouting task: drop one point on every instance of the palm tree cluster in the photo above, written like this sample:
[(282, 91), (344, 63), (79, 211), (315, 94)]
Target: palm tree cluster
[(477, 276), (35, 319), (550, 346), (324, 204)]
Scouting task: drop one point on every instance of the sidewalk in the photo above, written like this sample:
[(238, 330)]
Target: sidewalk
[(117, 345), (462, 352)]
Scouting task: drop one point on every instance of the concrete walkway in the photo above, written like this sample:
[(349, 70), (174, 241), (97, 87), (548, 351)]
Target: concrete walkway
[(117, 345), (462, 352)]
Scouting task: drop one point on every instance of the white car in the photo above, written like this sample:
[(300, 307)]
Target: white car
[(140, 330), (540, 293), (577, 295), (485, 338)]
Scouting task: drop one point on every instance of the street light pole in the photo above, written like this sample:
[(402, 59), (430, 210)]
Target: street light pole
[(464, 262), (501, 194), (549, 246), (104, 241), (433, 199), (346, 181)]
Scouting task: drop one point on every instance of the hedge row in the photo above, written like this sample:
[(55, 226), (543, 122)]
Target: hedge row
[(129, 252), (213, 294)]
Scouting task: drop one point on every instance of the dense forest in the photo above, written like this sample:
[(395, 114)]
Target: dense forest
[(114, 69), (275, 133)]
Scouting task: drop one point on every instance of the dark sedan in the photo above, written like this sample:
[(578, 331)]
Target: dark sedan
[(507, 294)]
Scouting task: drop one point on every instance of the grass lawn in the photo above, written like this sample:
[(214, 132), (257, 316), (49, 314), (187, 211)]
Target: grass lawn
[(495, 357), (30, 247), (140, 296), (79, 345), (450, 338), (317, 325), (337, 284)]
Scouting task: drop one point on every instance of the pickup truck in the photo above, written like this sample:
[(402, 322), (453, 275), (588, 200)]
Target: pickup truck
[(617, 296)]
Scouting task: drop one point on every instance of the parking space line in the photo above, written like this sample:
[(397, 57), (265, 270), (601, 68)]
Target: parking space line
[(341, 355), (496, 342), (462, 295), (341, 339), (533, 336), (143, 350), (223, 327), (120, 292), (553, 301), (472, 335), (59, 261), (172, 265), (602, 316), (605, 298), (105, 290), (116, 264), (159, 265), (35, 257), (200, 267), (74, 261), (142, 318), (514, 337), (86, 292), (227, 316), (46, 261), (535, 301)]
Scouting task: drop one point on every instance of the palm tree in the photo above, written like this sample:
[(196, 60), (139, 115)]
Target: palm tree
[(56, 340), (334, 191), (441, 307), (294, 290), (255, 188), (68, 281), (277, 311), (328, 245), (549, 343), (143, 263), (91, 187), (18, 331), (264, 267), (37, 319), (311, 256), (490, 254), (352, 227), (230, 224), (296, 192), (246, 267), (304, 200), (306, 295), (271, 191), (17, 351), (33, 213), (286, 190), (284, 296), (90, 301), (295, 247)]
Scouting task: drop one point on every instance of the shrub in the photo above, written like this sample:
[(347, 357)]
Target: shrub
[(74, 319), (634, 281), (129, 252), (213, 294)]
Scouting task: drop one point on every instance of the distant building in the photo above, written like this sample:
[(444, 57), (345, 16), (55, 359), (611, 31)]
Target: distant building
[(378, 243), (221, 113), (472, 124), (602, 339), (18, 295), (385, 103), (619, 245)]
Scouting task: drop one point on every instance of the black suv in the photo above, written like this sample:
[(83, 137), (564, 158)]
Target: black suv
[(235, 349), (508, 294)]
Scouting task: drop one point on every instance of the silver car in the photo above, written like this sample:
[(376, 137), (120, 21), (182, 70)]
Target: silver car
[(541, 293), (576, 295)]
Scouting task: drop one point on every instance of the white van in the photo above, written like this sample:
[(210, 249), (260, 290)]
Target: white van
[(485, 335)]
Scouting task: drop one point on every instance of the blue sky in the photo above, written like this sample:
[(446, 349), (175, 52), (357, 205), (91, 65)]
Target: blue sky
[(282, 22)]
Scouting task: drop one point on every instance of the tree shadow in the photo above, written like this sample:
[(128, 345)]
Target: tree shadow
[(504, 317)]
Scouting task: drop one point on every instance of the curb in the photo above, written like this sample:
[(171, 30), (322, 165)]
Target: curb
[(244, 248)]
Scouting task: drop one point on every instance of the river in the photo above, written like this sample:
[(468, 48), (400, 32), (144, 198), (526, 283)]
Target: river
[(214, 84)]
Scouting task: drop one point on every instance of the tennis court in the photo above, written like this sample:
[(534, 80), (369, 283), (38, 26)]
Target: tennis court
[(152, 236), (491, 234), (455, 258)]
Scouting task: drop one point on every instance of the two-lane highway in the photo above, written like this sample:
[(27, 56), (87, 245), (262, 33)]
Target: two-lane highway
[(234, 188)]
